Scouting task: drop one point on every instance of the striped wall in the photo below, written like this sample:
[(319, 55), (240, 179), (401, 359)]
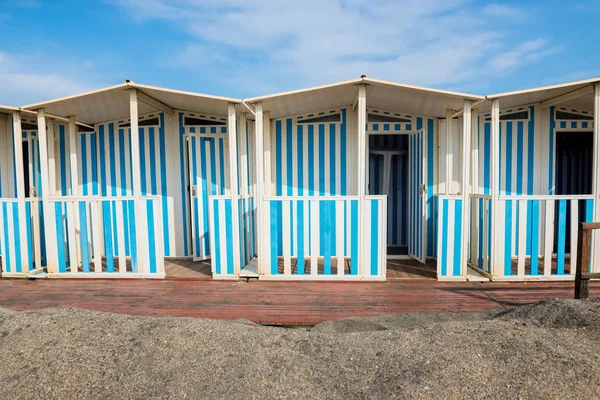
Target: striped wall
[(310, 159), (183, 173), (221, 225), (105, 166), (247, 182), (449, 237), (315, 237)]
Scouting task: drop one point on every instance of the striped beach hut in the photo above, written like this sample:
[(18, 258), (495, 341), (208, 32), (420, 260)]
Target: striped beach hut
[(326, 183)]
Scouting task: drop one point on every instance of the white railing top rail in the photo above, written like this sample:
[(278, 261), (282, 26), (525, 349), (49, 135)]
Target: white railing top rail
[(481, 196), (547, 197), (60, 199), (323, 198)]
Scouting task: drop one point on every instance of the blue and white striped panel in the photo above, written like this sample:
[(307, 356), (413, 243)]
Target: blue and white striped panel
[(222, 236), (389, 127), (450, 234), (246, 206), (105, 165), (333, 226), (185, 130), (480, 229), (209, 175), (415, 232), (310, 159), (11, 258), (517, 147)]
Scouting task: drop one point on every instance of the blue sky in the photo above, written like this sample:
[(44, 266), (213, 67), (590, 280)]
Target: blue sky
[(243, 48)]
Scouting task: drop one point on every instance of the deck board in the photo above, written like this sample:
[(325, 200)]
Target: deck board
[(296, 303)]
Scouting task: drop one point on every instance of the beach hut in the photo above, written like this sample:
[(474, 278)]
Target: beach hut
[(335, 182)]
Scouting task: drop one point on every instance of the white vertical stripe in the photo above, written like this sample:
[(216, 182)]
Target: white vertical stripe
[(574, 235), (287, 263), (96, 223), (549, 239), (339, 237)]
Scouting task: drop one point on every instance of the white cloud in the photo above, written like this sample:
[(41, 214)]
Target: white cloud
[(428, 42), (23, 79)]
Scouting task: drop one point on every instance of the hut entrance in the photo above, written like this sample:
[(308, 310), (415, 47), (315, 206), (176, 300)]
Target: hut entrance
[(388, 175)]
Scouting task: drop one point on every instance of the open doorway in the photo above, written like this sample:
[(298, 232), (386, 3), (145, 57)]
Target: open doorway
[(574, 165), (389, 175)]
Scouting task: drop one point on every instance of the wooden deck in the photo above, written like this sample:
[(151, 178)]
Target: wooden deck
[(185, 268), (294, 303)]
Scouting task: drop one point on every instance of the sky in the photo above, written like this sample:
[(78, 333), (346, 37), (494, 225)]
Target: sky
[(245, 48)]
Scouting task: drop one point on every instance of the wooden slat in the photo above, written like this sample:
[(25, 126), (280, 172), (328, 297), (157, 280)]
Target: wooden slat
[(549, 239), (72, 236), (285, 227), (96, 210), (522, 248), (339, 236), (574, 235), (314, 240), (120, 238)]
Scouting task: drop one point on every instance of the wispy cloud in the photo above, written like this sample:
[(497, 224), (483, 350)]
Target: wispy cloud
[(22, 82), (283, 43)]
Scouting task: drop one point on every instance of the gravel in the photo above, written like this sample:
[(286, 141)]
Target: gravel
[(547, 350)]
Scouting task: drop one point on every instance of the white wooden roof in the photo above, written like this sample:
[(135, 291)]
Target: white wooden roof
[(380, 94), (112, 103), (7, 109), (576, 95)]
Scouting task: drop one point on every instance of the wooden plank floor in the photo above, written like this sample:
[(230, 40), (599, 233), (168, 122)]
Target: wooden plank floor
[(295, 303), (185, 268)]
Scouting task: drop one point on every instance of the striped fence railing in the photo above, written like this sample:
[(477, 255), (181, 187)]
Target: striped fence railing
[(221, 237), (480, 243), (98, 237), (537, 236), (449, 254), (22, 247), (312, 238)]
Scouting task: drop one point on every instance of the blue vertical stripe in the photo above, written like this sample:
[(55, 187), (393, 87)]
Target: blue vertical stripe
[(108, 244), (535, 235), (311, 160), (60, 238), (354, 237), (508, 239), (300, 152), (458, 210), (151, 235), (274, 231), (343, 153), (444, 255), (184, 192), (300, 233), (321, 159), (332, 182), (217, 249), (374, 236), (562, 230)]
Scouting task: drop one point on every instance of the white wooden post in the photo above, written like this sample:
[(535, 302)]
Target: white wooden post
[(141, 220), (448, 151), (22, 216), (362, 167), (49, 215), (266, 141), (51, 157), (596, 178), (263, 268), (466, 173), (74, 172), (233, 173), (495, 189)]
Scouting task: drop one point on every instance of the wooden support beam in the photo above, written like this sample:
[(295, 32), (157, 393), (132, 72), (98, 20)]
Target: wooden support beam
[(49, 214), (567, 96), (140, 204), (233, 174), (496, 256), (263, 268), (20, 186), (596, 178), (473, 104), (250, 108), (362, 168), (152, 102), (447, 152), (466, 154)]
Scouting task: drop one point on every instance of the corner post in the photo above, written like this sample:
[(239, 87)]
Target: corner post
[(143, 252), (233, 179), (596, 179), (74, 171), (496, 253), (363, 267), (49, 213), (20, 186), (263, 268), (465, 190)]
